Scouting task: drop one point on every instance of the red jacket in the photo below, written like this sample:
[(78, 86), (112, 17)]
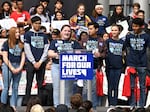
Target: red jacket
[(127, 86), (99, 83)]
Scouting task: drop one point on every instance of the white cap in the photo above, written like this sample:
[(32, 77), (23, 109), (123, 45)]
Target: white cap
[(99, 6)]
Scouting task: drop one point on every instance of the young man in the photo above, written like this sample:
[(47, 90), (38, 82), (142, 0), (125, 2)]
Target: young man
[(135, 8), (96, 45), (141, 14), (133, 14), (137, 41), (36, 48), (21, 17)]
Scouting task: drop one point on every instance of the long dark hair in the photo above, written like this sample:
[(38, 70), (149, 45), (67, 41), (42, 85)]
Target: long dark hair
[(32, 101), (115, 13), (2, 9), (60, 13), (35, 10), (116, 17)]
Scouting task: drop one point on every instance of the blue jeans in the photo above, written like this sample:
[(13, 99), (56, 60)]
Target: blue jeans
[(113, 82), (56, 86), (7, 77), (141, 72), (95, 98), (56, 83)]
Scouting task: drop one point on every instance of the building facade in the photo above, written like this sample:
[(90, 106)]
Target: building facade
[(127, 5)]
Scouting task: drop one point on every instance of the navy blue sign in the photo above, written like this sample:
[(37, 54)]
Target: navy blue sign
[(76, 66)]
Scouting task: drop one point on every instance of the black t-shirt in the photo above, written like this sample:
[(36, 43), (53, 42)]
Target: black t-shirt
[(80, 20)]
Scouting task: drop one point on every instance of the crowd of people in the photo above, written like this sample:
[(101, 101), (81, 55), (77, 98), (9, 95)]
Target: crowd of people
[(29, 47)]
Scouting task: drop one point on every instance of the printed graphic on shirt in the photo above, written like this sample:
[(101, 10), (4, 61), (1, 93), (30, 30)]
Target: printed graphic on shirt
[(91, 45), (81, 21), (64, 46), (137, 43), (21, 19), (116, 48), (101, 22), (101, 44), (15, 51), (37, 41)]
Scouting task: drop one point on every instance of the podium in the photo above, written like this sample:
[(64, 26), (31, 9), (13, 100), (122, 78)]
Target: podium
[(75, 64)]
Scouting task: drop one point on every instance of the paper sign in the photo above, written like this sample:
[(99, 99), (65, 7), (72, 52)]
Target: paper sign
[(58, 24), (125, 26), (1, 82), (82, 29), (47, 26), (8, 23)]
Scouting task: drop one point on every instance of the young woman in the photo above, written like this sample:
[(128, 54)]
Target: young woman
[(114, 63), (99, 18), (79, 19), (105, 36), (58, 16), (14, 58), (55, 48), (83, 39), (3, 33), (39, 11), (117, 16), (5, 10)]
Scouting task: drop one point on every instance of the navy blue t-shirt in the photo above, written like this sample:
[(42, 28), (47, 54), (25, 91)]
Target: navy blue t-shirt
[(63, 46), (103, 23), (93, 45), (36, 41), (14, 54), (137, 45), (114, 53)]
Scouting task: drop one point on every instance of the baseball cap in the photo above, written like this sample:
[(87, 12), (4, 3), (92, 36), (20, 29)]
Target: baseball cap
[(55, 32)]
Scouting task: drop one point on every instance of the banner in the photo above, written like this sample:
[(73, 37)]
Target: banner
[(23, 81)]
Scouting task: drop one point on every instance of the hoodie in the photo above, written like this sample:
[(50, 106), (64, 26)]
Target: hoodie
[(36, 46), (137, 44)]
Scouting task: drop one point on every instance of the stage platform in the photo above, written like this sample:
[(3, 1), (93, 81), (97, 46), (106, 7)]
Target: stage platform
[(99, 109)]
